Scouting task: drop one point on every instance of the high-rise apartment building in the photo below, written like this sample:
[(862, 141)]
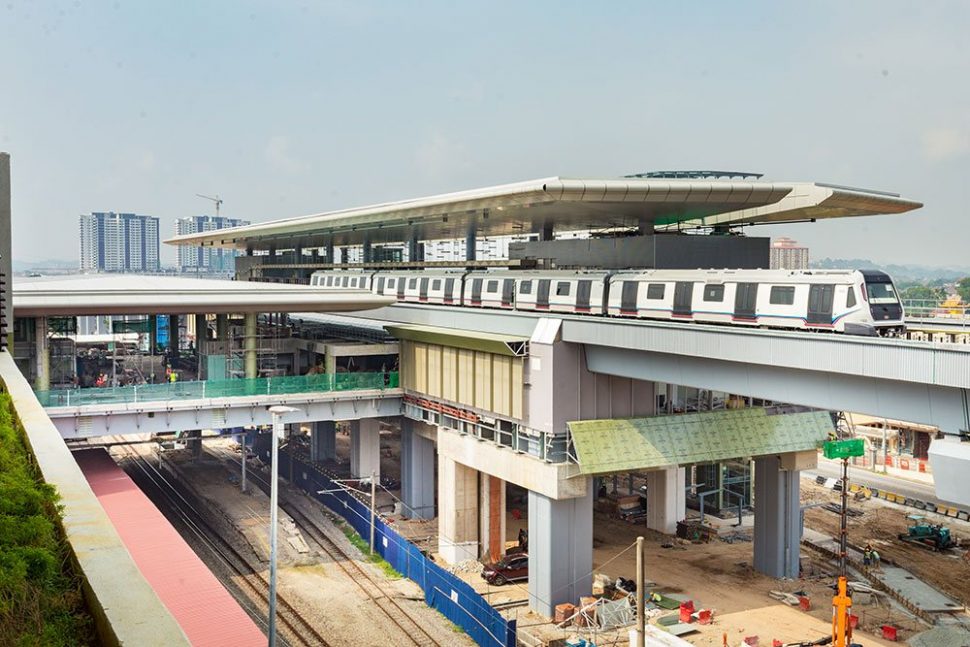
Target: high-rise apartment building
[(119, 242), (786, 254), (206, 259)]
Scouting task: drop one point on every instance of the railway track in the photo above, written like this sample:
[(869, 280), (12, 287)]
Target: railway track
[(390, 607), (252, 585)]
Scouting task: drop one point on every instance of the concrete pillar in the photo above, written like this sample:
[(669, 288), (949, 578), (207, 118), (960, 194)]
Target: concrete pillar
[(777, 527), (222, 327), (366, 252), (250, 351), (323, 441), (492, 523), (194, 440), (457, 511), (666, 499), (470, 238), (329, 361), (152, 334), (560, 550), (417, 472), (42, 358), (415, 249), (173, 337), (6, 258), (201, 332), (546, 233), (328, 248), (365, 448)]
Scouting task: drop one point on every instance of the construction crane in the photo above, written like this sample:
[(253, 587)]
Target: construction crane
[(216, 199)]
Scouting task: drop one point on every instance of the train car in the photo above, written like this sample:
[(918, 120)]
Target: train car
[(440, 287), (342, 279), (850, 301), (578, 292)]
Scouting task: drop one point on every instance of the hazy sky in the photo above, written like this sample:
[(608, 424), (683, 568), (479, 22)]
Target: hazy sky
[(287, 108)]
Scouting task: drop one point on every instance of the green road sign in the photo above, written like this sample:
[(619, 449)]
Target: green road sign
[(836, 449)]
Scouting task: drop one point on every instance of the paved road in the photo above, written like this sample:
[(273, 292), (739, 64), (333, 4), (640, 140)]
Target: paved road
[(872, 479)]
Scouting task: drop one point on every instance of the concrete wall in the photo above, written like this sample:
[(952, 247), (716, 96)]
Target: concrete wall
[(128, 614), (669, 251)]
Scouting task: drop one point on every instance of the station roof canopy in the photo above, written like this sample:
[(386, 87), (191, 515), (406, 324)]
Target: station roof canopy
[(563, 204), (140, 295), (625, 445)]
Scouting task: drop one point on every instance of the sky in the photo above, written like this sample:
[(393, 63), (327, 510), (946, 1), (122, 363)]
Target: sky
[(289, 108)]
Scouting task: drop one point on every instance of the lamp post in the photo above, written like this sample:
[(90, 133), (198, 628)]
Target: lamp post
[(277, 412)]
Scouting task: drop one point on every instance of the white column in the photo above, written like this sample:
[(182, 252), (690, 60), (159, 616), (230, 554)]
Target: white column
[(777, 518), (666, 499), (42, 368), (365, 448), (457, 511), (560, 550)]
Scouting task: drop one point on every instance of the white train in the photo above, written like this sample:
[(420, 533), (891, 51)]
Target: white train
[(858, 302)]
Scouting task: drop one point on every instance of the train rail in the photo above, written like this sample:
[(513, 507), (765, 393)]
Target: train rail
[(250, 586), (382, 600)]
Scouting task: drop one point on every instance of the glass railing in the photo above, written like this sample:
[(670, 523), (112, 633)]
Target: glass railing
[(218, 389)]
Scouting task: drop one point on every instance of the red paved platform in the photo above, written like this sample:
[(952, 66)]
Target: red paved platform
[(204, 609)]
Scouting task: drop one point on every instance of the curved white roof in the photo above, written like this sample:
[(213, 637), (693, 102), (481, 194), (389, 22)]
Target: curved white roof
[(136, 294)]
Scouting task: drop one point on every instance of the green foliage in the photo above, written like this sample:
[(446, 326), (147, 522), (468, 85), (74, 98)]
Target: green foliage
[(364, 547), (963, 289), (40, 602), (923, 293)]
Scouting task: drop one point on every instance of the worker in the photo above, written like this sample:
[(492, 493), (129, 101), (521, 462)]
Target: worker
[(173, 377), (867, 555), (875, 558), (655, 597), (102, 380)]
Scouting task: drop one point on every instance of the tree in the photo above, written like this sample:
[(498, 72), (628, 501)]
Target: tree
[(922, 293), (963, 289)]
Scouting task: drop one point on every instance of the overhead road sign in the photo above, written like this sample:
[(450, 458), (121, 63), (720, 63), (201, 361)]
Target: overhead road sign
[(557, 204), (133, 294)]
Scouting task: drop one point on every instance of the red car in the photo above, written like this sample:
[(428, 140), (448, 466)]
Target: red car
[(510, 568)]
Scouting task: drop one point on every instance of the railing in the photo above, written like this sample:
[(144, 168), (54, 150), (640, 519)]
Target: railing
[(318, 383), (932, 309)]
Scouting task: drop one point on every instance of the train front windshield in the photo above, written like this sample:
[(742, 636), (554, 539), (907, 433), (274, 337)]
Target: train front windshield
[(881, 292)]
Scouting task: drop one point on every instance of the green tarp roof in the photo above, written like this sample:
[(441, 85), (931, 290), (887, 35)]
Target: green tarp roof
[(481, 341), (626, 445)]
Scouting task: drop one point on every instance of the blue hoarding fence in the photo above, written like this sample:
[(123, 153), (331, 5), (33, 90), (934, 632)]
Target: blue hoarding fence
[(443, 591)]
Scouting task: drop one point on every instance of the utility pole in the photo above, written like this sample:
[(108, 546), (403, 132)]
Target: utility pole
[(277, 412), (373, 507), (641, 639), (842, 601)]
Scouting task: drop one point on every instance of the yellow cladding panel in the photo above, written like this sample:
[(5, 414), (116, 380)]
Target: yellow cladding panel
[(450, 375), (483, 381), (406, 364), (516, 386), (501, 385), (434, 371), (421, 368), (466, 377)]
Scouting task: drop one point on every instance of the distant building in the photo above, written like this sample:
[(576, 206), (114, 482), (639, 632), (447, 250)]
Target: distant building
[(119, 242), (786, 254), (206, 259)]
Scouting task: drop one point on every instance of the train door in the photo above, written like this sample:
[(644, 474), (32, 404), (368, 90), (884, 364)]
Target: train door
[(449, 290), (477, 292), (542, 297), (820, 298), (683, 298), (628, 297), (380, 285), (508, 287), (400, 287), (582, 295), (745, 301), (423, 289)]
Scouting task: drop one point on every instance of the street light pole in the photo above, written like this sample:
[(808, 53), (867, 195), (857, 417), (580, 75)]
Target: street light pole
[(277, 412)]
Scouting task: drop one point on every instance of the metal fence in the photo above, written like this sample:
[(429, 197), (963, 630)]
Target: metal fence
[(932, 309), (324, 382), (444, 591)]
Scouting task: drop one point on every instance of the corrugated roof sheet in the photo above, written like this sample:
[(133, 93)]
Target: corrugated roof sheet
[(605, 446), (204, 609)]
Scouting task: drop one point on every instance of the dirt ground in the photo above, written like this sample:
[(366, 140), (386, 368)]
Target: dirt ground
[(881, 524)]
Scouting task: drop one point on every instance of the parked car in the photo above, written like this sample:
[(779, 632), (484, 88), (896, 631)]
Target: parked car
[(510, 568)]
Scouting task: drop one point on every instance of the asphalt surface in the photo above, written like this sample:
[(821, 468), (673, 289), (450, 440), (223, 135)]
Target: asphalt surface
[(873, 479)]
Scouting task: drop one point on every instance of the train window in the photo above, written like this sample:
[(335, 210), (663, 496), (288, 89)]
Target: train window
[(353, 282), (714, 293), (782, 295), (525, 287), (436, 284), (346, 281), (329, 281), (492, 286), (850, 297), (656, 291), (562, 288), (413, 283), (391, 283)]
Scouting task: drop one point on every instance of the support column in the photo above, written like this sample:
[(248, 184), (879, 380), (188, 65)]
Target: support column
[(666, 499), (492, 524), (366, 252), (777, 527), (546, 233), (470, 238), (328, 249), (415, 250), (173, 335), (560, 550), (417, 473), (194, 440), (365, 448), (222, 327), (250, 334), (323, 441), (457, 511), (42, 366), (201, 332)]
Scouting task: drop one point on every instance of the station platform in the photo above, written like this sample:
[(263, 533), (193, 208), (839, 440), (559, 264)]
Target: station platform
[(204, 609)]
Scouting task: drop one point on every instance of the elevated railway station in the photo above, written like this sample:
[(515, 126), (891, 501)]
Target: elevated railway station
[(547, 404)]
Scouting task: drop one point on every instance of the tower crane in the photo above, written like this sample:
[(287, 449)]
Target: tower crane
[(216, 199)]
